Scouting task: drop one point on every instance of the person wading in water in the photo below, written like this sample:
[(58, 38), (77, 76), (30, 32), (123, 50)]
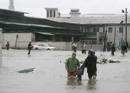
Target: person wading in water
[(71, 65), (90, 63)]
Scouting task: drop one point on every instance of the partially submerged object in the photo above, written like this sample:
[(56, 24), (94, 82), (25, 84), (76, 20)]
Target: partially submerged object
[(26, 70), (104, 61)]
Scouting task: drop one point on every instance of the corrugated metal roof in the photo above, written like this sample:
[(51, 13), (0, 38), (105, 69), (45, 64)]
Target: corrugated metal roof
[(46, 33), (115, 19), (35, 25), (13, 11)]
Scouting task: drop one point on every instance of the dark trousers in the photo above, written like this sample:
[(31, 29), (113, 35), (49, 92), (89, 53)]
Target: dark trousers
[(74, 49), (29, 51), (90, 74), (112, 53), (79, 77)]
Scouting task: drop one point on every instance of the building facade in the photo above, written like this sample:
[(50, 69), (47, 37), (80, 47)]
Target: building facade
[(92, 29)]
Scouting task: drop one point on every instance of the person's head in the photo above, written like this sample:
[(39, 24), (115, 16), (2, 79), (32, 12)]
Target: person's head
[(91, 52), (73, 55)]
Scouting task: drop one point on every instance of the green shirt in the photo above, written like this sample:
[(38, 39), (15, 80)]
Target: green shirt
[(72, 64)]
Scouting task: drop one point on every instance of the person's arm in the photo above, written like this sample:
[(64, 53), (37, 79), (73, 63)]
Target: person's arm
[(78, 62), (84, 64), (66, 65)]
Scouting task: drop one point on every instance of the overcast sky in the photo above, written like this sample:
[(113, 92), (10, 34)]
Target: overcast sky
[(36, 7)]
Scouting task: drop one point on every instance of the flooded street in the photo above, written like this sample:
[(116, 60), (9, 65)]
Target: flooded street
[(49, 75)]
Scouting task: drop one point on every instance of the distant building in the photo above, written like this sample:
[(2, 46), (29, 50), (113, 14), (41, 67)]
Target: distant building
[(74, 13), (93, 29), (52, 12), (19, 29), (98, 28), (11, 5)]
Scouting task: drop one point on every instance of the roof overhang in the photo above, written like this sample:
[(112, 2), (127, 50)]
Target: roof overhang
[(13, 11), (45, 33)]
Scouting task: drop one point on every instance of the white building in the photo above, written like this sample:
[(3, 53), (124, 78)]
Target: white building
[(111, 25)]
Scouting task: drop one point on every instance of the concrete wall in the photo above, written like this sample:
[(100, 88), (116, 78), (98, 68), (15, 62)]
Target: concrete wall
[(61, 45), (128, 33), (58, 45), (17, 40), (21, 40), (68, 45)]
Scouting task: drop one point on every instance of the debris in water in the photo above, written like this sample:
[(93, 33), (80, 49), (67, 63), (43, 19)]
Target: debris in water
[(26, 70)]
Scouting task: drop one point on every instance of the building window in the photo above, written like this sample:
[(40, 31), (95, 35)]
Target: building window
[(80, 28), (120, 29), (88, 29), (83, 29), (110, 30), (96, 29), (101, 29)]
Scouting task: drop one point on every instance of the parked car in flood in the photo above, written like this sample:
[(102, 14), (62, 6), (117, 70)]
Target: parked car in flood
[(43, 46)]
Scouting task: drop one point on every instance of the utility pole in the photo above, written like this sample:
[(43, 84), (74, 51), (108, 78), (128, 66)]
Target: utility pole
[(115, 36), (125, 11), (105, 38), (122, 29)]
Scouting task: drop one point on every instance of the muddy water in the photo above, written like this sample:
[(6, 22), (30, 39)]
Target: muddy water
[(49, 75)]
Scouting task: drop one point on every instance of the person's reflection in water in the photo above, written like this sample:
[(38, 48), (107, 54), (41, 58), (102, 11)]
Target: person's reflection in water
[(91, 84), (29, 55), (72, 81)]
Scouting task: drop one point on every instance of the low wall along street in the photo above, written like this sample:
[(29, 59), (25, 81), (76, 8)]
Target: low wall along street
[(21, 40)]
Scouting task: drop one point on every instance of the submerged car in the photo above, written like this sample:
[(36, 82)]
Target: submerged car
[(43, 46)]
